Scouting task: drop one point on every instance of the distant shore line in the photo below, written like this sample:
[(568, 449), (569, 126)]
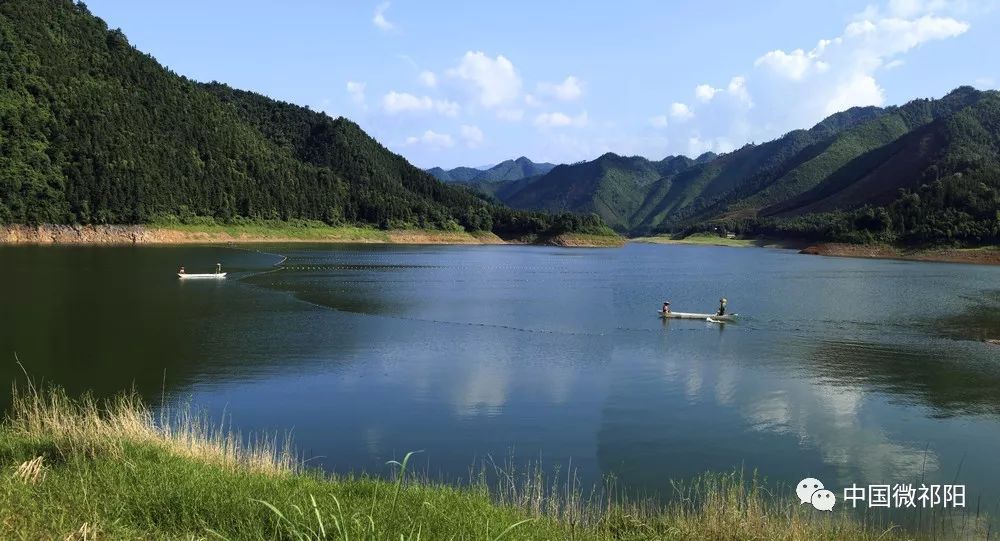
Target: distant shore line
[(117, 235), (988, 255)]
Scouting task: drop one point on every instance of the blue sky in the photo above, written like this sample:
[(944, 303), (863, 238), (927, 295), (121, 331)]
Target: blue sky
[(474, 83)]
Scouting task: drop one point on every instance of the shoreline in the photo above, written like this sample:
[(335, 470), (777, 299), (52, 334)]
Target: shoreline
[(186, 479), (989, 255), (125, 235), (718, 241), (713, 240)]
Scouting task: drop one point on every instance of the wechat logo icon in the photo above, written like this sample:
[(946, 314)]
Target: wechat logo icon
[(811, 490)]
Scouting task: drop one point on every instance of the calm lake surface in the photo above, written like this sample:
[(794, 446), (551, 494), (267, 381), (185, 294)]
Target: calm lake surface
[(848, 370)]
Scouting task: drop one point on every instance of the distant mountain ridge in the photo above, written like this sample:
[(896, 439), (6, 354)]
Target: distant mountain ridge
[(862, 174), (507, 170)]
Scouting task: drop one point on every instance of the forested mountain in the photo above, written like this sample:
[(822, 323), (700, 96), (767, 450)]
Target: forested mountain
[(923, 172), (458, 174), (507, 170), (938, 183), (612, 186), (93, 131)]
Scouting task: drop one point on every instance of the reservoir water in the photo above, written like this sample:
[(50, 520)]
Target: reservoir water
[(847, 370)]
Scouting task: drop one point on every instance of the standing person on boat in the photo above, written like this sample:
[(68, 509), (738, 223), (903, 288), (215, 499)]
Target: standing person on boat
[(218, 268), (666, 307), (722, 306)]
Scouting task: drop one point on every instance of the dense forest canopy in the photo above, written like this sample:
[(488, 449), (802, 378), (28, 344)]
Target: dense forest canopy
[(938, 183), (926, 172), (93, 131), (504, 171)]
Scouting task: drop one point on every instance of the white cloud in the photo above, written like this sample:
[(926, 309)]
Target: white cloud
[(428, 79), (985, 82), (705, 93), (680, 111), (379, 19), (698, 146), (737, 88), (793, 88), (560, 120), (570, 89), (659, 121), (432, 140), (472, 135), (494, 81), (887, 37), (510, 115), (907, 8), (841, 71), (855, 91), (865, 45), (401, 102), (357, 92), (795, 65)]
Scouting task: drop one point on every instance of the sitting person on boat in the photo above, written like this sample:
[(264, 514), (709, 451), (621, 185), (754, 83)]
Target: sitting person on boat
[(181, 270), (666, 307), (722, 306)]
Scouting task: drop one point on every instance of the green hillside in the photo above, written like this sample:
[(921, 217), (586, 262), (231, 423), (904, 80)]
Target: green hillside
[(612, 186), (923, 172), (458, 174), (750, 169), (884, 129), (93, 131), (507, 170), (939, 184)]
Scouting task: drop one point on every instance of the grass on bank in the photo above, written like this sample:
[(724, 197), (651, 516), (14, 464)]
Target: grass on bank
[(311, 230), (609, 239), (83, 469), (704, 239), (305, 230)]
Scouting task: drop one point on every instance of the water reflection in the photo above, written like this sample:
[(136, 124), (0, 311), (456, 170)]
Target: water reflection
[(785, 426), (952, 378), (836, 371), (484, 391), (980, 321)]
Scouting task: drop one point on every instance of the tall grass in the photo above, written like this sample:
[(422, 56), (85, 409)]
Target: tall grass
[(85, 425), (86, 469)]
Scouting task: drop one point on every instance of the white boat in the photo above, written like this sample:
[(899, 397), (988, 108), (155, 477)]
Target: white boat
[(217, 275), (691, 315), (210, 275)]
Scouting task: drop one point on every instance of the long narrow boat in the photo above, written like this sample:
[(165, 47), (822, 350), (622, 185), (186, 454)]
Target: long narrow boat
[(209, 275), (690, 315)]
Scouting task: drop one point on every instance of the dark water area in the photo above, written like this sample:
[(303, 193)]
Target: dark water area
[(848, 370)]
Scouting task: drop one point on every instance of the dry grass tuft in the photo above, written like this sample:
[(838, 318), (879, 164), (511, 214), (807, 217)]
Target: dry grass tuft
[(87, 426), (87, 532), (31, 472), (712, 506)]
